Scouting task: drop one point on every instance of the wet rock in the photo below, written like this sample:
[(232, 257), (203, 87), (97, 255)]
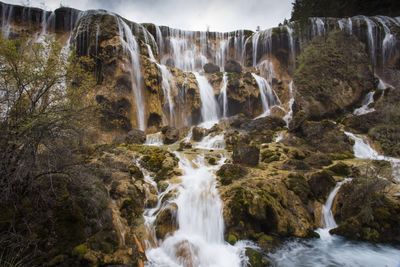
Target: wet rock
[(198, 133), (170, 134), (134, 136), (256, 258), (233, 66), (166, 221), (211, 68), (246, 154), (265, 123), (229, 172), (321, 183)]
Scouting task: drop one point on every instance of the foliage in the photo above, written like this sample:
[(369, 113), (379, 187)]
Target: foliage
[(43, 108), (303, 9)]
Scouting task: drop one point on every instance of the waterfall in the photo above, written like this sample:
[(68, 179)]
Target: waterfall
[(223, 97), (328, 221), (289, 115), (130, 45), (291, 45), (365, 109), (6, 16), (209, 106), (267, 96), (155, 139), (363, 150), (220, 55), (211, 142), (160, 40), (371, 38), (167, 79), (331, 250), (317, 27), (199, 239), (346, 25), (389, 41)]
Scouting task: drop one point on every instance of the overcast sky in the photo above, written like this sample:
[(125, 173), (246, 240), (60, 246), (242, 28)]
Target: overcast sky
[(219, 15)]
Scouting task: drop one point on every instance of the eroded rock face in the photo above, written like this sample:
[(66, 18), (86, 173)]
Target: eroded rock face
[(233, 66)]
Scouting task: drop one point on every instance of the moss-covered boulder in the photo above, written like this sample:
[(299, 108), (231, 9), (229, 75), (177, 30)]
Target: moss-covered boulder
[(332, 76), (229, 172), (321, 183)]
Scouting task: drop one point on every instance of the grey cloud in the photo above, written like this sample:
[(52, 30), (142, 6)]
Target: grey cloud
[(219, 15)]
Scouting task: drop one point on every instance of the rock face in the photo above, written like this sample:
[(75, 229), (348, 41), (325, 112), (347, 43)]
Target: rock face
[(246, 155), (170, 135), (332, 76), (211, 68), (233, 66)]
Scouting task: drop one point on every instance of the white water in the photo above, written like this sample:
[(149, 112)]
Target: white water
[(266, 93), (389, 41), (209, 105), (371, 38), (6, 16), (363, 150), (223, 97), (199, 239), (131, 46), (365, 109), (289, 115), (317, 26), (331, 250), (155, 139), (214, 142)]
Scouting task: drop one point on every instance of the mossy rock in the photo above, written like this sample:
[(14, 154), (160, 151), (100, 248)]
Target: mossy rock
[(298, 184), (340, 169), (80, 250), (256, 258), (321, 183), (230, 172)]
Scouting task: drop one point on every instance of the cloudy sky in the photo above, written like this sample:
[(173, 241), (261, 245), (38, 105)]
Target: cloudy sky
[(219, 15)]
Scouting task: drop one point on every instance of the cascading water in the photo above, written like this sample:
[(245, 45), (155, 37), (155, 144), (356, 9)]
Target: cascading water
[(212, 142), (223, 97), (363, 150), (289, 115), (267, 96), (155, 139), (130, 45), (331, 250), (365, 109), (199, 239), (209, 105), (389, 41), (6, 16)]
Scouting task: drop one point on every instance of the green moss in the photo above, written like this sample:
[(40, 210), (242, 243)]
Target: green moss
[(80, 250), (232, 239), (340, 168), (298, 184)]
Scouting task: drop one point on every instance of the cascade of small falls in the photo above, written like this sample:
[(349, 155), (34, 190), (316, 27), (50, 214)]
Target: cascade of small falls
[(363, 150), (267, 95), (209, 105), (6, 16), (331, 250), (131, 46), (346, 25), (365, 109), (289, 115), (155, 139), (223, 97), (199, 239)]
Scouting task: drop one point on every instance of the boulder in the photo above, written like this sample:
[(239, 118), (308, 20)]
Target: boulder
[(211, 68), (134, 136), (324, 85), (166, 221), (198, 133), (233, 66), (246, 154), (229, 172), (321, 183), (170, 134)]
